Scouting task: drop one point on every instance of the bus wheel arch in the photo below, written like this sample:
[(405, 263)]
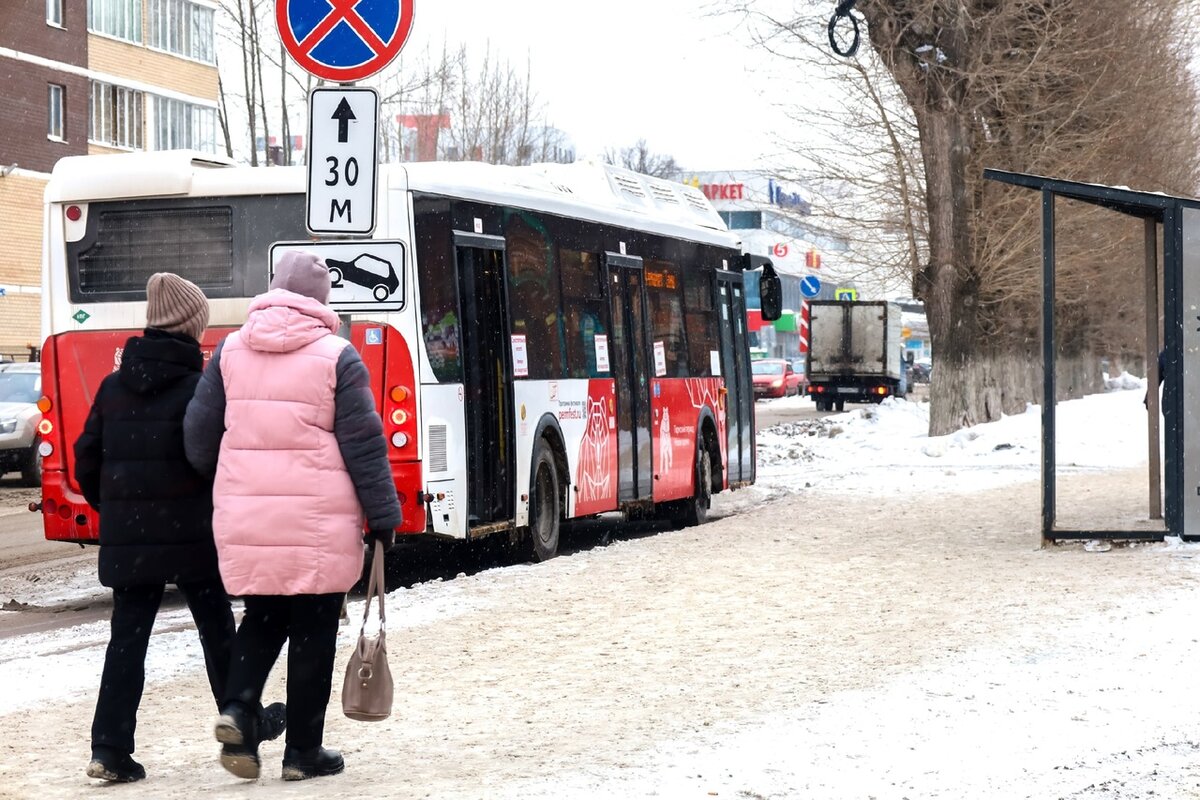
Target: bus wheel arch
[(548, 479)]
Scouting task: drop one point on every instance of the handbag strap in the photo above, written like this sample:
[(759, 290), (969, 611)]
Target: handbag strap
[(375, 589)]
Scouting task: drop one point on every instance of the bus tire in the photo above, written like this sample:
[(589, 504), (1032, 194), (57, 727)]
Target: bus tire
[(545, 504), (31, 470), (695, 510)]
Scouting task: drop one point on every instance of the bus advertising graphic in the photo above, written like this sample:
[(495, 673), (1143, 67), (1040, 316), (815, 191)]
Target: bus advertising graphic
[(343, 40)]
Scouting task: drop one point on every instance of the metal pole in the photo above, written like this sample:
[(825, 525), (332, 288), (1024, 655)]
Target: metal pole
[(1048, 364)]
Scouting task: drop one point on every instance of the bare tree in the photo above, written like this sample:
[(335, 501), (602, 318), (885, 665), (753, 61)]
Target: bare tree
[(639, 158), (1046, 86)]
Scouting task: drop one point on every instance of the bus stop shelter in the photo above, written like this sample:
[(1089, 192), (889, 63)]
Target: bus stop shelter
[(1173, 222)]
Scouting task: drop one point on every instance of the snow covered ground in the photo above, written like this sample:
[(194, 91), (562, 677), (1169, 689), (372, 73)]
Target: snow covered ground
[(874, 619)]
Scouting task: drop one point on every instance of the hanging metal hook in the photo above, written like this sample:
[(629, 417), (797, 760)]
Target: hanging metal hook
[(842, 11)]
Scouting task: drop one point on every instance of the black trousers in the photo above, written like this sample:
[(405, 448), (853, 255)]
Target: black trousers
[(124, 675), (309, 623)]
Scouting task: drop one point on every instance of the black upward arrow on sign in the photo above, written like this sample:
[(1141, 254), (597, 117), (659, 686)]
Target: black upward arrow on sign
[(343, 114)]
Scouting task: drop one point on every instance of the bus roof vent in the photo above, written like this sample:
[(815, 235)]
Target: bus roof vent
[(662, 191), (627, 183), (697, 200)]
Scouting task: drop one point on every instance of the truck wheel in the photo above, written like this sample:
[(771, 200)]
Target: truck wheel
[(841, 405), (545, 511), (31, 470)]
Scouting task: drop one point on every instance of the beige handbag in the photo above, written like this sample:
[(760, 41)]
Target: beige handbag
[(367, 690)]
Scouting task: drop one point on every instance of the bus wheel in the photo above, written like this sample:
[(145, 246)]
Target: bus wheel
[(544, 504), (695, 512)]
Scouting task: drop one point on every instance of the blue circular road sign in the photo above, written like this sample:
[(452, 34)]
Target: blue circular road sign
[(810, 286)]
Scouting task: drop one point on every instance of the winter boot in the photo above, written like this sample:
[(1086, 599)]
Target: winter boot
[(110, 764), (237, 731), (272, 722), (300, 765)]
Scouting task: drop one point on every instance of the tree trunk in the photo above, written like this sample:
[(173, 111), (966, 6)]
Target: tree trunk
[(959, 394)]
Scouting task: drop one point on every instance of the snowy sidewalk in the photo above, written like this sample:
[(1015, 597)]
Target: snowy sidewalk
[(829, 644)]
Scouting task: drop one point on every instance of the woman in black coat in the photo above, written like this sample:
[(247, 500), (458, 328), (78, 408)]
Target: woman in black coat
[(155, 516)]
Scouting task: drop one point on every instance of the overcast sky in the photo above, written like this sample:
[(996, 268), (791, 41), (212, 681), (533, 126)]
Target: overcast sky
[(612, 72)]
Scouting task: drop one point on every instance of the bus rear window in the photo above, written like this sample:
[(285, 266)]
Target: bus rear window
[(130, 246), (221, 244)]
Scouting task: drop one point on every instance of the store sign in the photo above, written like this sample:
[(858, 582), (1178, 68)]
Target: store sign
[(724, 191), (791, 200)]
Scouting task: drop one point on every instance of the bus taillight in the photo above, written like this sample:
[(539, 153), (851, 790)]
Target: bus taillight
[(45, 427), (399, 416), (74, 213), (44, 404), (399, 394), (399, 439)]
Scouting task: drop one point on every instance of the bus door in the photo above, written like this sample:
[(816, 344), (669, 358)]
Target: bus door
[(630, 371), (487, 378), (735, 368)]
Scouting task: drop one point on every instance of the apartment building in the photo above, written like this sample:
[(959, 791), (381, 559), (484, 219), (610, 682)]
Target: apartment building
[(89, 76)]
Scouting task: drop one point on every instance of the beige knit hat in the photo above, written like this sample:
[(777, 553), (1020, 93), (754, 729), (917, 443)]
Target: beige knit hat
[(175, 305)]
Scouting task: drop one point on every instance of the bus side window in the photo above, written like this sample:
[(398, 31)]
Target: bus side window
[(701, 319), (584, 311), (439, 289), (533, 293), (666, 314)]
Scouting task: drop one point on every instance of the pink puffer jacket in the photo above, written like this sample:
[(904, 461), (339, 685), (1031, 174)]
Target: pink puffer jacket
[(286, 518)]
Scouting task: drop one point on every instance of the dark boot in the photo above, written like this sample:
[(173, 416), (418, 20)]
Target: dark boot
[(272, 722), (300, 765), (110, 764), (237, 731)]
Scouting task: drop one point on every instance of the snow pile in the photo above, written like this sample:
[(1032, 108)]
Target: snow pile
[(887, 447), (1123, 381)]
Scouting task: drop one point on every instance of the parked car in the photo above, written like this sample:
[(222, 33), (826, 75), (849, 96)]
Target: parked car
[(800, 367), (922, 368), (20, 389), (774, 377)]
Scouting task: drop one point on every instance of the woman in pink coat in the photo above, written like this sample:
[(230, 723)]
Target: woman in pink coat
[(285, 417)]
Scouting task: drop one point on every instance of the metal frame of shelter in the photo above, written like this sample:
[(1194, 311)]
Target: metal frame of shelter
[(1179, 220)]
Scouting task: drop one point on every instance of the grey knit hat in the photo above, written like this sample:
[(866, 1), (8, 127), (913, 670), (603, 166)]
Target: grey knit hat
[(302, 273), (176, 305)]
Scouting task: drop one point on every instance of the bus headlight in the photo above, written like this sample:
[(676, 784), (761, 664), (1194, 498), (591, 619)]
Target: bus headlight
[(8, 425)]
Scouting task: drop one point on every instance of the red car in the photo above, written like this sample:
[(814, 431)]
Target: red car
[(774, 377)]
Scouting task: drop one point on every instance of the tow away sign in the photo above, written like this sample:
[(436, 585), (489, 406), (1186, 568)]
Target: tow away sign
[(343, 132), (367, 275)]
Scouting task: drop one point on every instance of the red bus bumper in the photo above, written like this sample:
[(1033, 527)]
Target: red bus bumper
[(66, 516)]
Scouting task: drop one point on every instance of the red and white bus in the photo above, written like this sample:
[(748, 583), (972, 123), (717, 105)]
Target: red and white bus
[(572, 339)]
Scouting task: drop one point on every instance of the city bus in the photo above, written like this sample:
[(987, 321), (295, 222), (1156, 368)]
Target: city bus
[(571, 342)]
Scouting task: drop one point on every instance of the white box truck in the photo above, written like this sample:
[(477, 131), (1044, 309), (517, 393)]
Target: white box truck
[(855, 353)]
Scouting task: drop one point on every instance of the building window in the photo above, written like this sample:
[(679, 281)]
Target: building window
[(120, 18), (116, 116), (54, 113), (183, 126), (183, 28), (54, 12), (742, 220)]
